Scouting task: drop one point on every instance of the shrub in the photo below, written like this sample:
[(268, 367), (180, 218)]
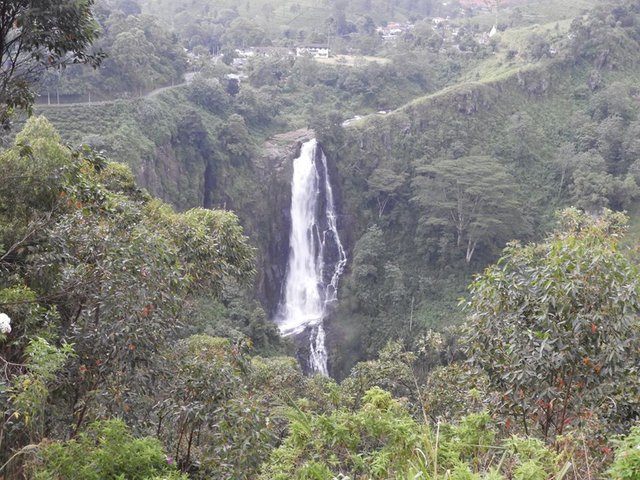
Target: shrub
[(107, 450), (626, 464)]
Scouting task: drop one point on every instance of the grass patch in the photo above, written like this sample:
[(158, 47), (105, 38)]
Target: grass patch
[(503, 63), (534, 11)]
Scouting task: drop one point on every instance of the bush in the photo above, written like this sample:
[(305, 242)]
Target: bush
[(626, 465), (381, 440), (107, 450)]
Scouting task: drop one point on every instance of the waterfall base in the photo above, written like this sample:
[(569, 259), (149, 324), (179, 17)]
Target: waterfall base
[(311, 350)]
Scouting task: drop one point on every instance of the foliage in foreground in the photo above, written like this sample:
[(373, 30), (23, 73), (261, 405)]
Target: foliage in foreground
[(97, 278), (555, 327), (626, 465), (106, 450), (36, 36), (105, 276), (382, 441)]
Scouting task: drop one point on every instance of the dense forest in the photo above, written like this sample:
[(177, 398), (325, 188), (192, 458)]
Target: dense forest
[(483, 161)]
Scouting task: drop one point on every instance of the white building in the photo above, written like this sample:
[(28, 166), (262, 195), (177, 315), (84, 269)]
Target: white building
[(313, 50)]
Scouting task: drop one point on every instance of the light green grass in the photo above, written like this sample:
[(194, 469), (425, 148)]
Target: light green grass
[(544, 11), (499, 66), (535, 11)]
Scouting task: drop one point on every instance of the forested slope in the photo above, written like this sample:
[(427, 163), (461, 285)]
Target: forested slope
[(131, 341), (434, 190), (548, 119)]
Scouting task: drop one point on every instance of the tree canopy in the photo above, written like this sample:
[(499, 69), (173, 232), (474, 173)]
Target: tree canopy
[(36, 35), (474, 197), (90, 260)]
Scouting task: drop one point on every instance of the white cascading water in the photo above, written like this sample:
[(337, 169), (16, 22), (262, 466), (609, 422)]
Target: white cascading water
[(312, 279)]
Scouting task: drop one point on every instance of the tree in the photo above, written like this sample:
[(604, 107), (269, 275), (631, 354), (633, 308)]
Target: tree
[(36, 35), (537, 46), (133, 56), (209, 94), (384, 185), (555, 327), (424, 35), (612, 101), (90, 260), (236, 139), (367, 269), (106, 450), (523, 141), (268, 71), (208, 414), (129, 7), (473, 196), (245, 33), (592, 186), (33, 173), (392, 371)]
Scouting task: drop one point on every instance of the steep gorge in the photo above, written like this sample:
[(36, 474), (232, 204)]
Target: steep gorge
[(406, 268), (185, 156), (407, 272)]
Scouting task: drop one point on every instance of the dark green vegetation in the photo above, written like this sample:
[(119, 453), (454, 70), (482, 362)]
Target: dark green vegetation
[(137, 348), (105, 329), (38, 35), (577, 297), (141, 56), (289, 22), (518, 143), (106, 450), (100, 282)]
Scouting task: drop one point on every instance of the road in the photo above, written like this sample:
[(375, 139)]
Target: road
[(188, 78)]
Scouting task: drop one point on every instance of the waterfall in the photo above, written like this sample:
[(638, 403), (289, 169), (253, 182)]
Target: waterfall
[(316, 255)]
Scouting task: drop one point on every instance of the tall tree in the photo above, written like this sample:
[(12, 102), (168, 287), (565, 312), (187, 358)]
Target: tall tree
[(86, 258), (36, 35), (473, 196), (383, 186)]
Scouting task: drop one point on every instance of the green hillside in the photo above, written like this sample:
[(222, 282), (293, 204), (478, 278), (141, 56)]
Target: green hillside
[(486, 191), (540, 101)]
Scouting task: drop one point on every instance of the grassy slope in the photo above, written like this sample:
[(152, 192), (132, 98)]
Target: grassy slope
[(515, 40), (536, 11), (147, 134)]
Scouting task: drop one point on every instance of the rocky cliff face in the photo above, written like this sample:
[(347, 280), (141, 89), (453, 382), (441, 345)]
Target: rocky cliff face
[(190, 174)]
